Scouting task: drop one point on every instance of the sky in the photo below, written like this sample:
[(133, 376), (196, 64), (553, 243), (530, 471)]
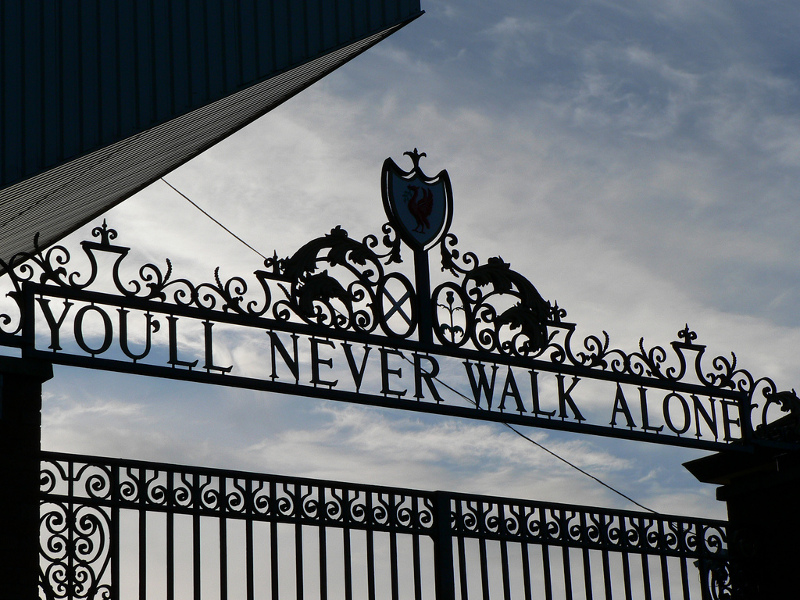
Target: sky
[(636, 161)]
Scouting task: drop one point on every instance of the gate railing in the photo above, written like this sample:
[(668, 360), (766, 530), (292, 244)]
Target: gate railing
[(131, 529)]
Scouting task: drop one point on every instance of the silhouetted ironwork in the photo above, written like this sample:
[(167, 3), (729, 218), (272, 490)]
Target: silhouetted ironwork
[(175, 530), (336, 293)]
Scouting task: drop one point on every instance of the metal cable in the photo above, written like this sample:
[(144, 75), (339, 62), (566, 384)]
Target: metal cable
[(212, 218), (550, 452)]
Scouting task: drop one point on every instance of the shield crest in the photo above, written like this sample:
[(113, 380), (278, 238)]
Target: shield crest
[(418, 206)]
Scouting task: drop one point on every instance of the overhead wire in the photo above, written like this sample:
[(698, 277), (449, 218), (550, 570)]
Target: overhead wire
[(444, 384), (193, 203), (541, 446)]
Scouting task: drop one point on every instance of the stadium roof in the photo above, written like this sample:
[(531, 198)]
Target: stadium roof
[(99, 98)]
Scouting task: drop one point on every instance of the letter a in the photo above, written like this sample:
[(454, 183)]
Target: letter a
[(510, 390), (621, 406)]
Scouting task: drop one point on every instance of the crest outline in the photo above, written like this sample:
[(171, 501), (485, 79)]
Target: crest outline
[(420, 207)]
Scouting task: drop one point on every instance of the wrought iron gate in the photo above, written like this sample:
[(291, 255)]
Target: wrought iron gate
[(121, 529), (348, 320)]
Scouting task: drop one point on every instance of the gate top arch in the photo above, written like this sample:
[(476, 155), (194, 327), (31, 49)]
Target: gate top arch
[(349, 320)]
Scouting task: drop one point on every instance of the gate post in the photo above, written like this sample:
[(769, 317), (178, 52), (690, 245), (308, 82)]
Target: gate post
[(443, 548), (20, 443), (762, 493)]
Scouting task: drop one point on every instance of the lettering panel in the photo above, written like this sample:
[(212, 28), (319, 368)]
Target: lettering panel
[(347, 319), (152, 338)]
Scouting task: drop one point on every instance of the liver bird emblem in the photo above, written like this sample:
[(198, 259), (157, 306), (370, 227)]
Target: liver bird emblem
[(420, 208)]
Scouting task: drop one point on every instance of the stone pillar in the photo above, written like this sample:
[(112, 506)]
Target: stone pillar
[(20, 443), (762, 493)]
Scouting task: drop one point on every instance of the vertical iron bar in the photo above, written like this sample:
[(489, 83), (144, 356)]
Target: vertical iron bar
[(115, 542), (456, 521), (704, 566), (348, 558), (223, 540), (142, 534), (504, 567), (548, 584), (501, 527), (443, 546), (484, 569), (567, 572), (249, 559), (273, 540), (171, 536), (424, 309), (348, 565), (648, 594), (682, 535), (393, 561), (705, 579), (196, 566), (603, 528), (417, 574), (462, 566), (665, 577), (606, 574), (370, 549), (392, 519), (684, 578), (587, 573), (565, 558), (664, 565), (415, 520), (71, 524), (484, 560), (371, 565), (544, 535), (323, 544), (298, 541), (586, 557), (526, 571), (626, 575)]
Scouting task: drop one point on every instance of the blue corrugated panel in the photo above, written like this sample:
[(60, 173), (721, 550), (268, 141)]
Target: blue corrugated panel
[(78, 75)]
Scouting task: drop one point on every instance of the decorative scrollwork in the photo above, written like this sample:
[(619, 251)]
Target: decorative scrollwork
[(529, 522), (715, 577), (161, 487), (338, 283), (82, 496), (75, 551), (785, 428), (494, 308)]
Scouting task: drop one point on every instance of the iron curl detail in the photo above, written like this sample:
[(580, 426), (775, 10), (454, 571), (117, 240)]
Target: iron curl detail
[(75, 556), (494, 308), (576, 526), (337, 282)]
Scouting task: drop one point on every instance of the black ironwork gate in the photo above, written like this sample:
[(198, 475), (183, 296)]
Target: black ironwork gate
[(192, 532), (334, 321)]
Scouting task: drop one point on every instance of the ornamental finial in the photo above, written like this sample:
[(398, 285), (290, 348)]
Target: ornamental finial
[(687, 335), (105, 233), (415, 156)]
